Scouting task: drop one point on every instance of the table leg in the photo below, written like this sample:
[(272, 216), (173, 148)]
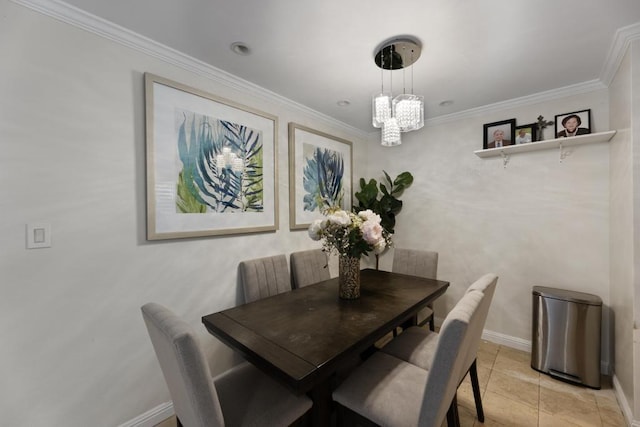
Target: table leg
[(412, 321), (322, 404)]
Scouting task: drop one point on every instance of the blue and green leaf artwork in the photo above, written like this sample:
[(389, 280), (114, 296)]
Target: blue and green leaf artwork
[(322, 180), (222, 165)]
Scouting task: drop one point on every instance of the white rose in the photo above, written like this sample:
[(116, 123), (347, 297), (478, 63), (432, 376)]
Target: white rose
[(368, 215), (315, 229), (379, 246), (371, 232), (365, 214), (339, 218)]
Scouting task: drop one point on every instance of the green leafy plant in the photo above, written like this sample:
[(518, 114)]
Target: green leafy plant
[(383, 200)]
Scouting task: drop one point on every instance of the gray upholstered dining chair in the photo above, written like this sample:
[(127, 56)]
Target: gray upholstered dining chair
[(240, 396), (308, 267), (389, 391), (264, 277), (418, 346), (418, 263)]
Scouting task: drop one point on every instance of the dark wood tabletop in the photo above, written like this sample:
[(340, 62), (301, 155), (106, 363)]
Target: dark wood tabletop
[(303, 337)]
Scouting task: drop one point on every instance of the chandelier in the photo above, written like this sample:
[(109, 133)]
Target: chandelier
[(405, 112)]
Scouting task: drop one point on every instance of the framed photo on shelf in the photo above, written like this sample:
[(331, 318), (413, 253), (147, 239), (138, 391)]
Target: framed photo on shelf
[(499, 134), (573, 124), (211, 164), (526, 133), (320, 174)]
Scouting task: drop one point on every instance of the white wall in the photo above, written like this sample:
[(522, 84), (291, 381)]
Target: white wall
[(74, 348), (538, 221), (622, 221), (635, 286)]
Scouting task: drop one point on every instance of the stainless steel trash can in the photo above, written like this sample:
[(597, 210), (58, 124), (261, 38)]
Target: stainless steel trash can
[(566, 335)]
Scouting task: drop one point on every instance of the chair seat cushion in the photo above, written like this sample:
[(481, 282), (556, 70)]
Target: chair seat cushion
[(386, 390), (414, 345), (249, 398)]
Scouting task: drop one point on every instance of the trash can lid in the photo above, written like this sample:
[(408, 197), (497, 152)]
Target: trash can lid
[(567, 295)]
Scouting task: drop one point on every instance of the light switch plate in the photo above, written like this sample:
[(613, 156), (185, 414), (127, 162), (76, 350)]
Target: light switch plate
[(38, 235)]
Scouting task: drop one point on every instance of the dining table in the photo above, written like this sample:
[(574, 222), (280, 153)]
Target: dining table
[(307, 337)]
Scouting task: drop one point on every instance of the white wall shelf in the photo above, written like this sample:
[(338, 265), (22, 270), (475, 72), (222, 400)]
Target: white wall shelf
[(560, 143)]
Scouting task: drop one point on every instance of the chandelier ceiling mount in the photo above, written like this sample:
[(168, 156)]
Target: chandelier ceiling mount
[(398, 53)]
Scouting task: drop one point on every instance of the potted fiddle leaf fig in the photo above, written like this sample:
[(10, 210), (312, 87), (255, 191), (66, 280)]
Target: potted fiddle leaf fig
[(383, 199)]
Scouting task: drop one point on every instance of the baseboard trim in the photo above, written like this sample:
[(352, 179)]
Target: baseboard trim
[(152, 417), (525, 345), (624, 405), (498, 338), (506, 340)]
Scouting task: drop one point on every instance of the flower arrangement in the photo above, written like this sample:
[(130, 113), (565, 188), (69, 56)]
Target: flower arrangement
[(350, 234)]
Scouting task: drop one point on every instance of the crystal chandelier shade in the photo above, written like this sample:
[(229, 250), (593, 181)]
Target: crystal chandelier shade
[(409, 110), (381, 109), (391, 133)]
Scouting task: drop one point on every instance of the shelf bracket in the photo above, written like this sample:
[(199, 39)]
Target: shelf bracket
[(505, 159), (563, 153)]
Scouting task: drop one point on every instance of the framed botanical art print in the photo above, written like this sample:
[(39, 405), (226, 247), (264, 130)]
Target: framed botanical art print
[(499, 134), (211, 164), (320, 174), (573, 124)]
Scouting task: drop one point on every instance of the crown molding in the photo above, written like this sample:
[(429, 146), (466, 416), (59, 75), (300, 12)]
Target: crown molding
[(621, 42), (76, 17), (622, 39), (536, 98)]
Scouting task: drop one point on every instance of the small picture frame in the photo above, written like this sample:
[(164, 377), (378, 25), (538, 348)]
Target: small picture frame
[(573, 124), (499, 134), (526, 133)]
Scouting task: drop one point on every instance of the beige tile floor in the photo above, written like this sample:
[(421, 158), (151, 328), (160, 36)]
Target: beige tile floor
[(514, 394)]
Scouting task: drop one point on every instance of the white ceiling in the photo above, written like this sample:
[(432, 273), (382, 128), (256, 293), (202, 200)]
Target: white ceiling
[(475, 52)]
